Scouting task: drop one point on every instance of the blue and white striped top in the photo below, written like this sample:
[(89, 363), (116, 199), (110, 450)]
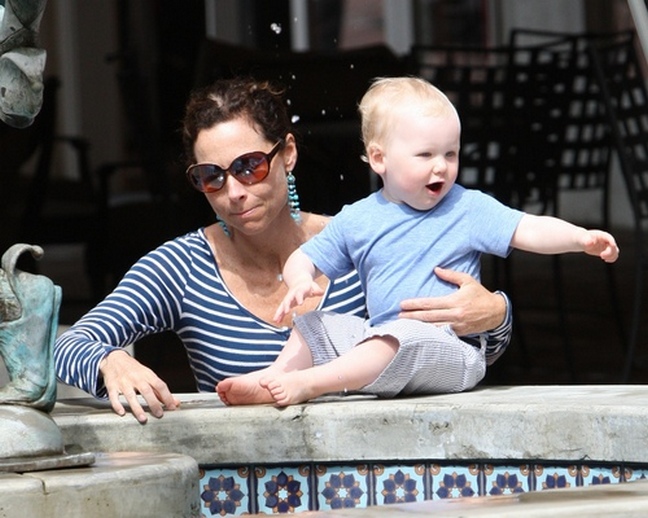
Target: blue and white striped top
[(178, 288)]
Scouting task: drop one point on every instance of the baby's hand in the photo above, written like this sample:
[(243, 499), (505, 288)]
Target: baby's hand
[(296, 296), (601, 244)]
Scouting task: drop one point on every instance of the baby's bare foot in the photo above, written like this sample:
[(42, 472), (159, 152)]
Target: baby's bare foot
[(221, 389), (243, 390), (288, 389)]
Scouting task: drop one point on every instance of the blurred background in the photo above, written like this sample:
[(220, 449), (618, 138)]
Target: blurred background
[(98, 179)]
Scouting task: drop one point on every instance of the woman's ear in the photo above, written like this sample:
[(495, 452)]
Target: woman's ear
[(376, 157), (290, 152)]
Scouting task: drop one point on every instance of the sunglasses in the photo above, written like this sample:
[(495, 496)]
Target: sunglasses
[(248, 169)]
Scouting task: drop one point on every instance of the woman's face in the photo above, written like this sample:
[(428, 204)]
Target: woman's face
[(246, 208)]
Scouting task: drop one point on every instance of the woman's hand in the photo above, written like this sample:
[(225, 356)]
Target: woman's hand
[(124, 375), (470, 309)]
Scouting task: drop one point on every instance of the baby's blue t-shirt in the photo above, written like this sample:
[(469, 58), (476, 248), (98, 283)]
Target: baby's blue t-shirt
[(395, 248)]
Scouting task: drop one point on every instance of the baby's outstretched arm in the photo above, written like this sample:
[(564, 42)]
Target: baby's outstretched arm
[(549, 235), (299, 274)]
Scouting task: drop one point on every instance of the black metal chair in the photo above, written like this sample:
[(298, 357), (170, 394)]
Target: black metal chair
[(586, 145), (531, 125), (623, 90)]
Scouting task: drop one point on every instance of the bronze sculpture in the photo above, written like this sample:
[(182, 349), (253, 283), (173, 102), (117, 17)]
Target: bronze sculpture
[(29, 307), (21, 62)]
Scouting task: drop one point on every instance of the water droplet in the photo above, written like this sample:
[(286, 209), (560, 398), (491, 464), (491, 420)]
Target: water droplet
[(294, 119), (276, 28)]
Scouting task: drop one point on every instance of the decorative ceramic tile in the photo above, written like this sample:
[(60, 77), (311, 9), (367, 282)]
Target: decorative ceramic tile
[(507, 480), (555, 477), (595, 475), (342, 486), (633, 472), (292, 489), (282, 489), (399, 484), (454, 481), (225, 491)]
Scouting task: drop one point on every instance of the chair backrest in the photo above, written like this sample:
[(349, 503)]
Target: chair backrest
[(587, 141), (476, 82), (623, 89), (543, 128), (511, 104)]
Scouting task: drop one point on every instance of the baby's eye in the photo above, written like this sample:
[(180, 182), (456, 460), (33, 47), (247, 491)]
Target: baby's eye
[(451, 154)]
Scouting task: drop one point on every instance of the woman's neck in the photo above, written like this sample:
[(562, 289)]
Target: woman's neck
[(267, 251)]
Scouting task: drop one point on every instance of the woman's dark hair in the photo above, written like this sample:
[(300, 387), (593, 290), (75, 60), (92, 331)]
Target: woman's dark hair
[(226, 99)]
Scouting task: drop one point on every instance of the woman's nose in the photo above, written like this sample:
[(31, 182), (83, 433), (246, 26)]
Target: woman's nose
[(234, 189)]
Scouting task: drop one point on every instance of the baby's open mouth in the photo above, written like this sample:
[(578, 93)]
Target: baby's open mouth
[(435, 187)]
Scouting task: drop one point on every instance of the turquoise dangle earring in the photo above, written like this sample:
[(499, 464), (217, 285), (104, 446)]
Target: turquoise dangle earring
[(293, 198), (224, 226)]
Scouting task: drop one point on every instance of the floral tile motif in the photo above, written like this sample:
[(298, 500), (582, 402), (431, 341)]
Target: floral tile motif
[(399, 484), (341, 487), (454, 481), (632, 473), (283, 489), (555, 477), (224, 491), (596, 475), (507, 480), (293, 489)]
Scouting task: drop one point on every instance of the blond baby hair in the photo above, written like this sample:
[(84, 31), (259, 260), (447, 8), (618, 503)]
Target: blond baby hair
[(386, 96)]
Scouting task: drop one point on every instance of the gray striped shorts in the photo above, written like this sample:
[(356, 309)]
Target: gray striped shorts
[(430, 359)]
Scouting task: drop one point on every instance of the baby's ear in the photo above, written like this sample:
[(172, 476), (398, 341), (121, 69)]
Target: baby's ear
[(376, 157)]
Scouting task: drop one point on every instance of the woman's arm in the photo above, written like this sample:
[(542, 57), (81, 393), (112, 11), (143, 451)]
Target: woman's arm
[(90, 354)]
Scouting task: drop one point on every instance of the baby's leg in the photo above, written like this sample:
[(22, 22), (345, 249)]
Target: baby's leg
[(351, 371), (246, 390)]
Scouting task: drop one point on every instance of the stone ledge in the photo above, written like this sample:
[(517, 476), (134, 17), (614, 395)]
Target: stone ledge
[(118, 485), (603, 423)]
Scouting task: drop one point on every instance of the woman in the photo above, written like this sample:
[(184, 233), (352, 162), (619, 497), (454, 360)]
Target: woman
[(218, 287)]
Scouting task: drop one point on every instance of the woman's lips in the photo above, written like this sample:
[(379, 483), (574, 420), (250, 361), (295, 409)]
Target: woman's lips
[(243, 213)]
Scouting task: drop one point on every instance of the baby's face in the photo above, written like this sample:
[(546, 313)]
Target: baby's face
[(421, 158)]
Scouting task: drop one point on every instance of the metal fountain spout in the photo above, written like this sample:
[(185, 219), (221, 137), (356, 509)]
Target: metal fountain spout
[(29, 309)]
